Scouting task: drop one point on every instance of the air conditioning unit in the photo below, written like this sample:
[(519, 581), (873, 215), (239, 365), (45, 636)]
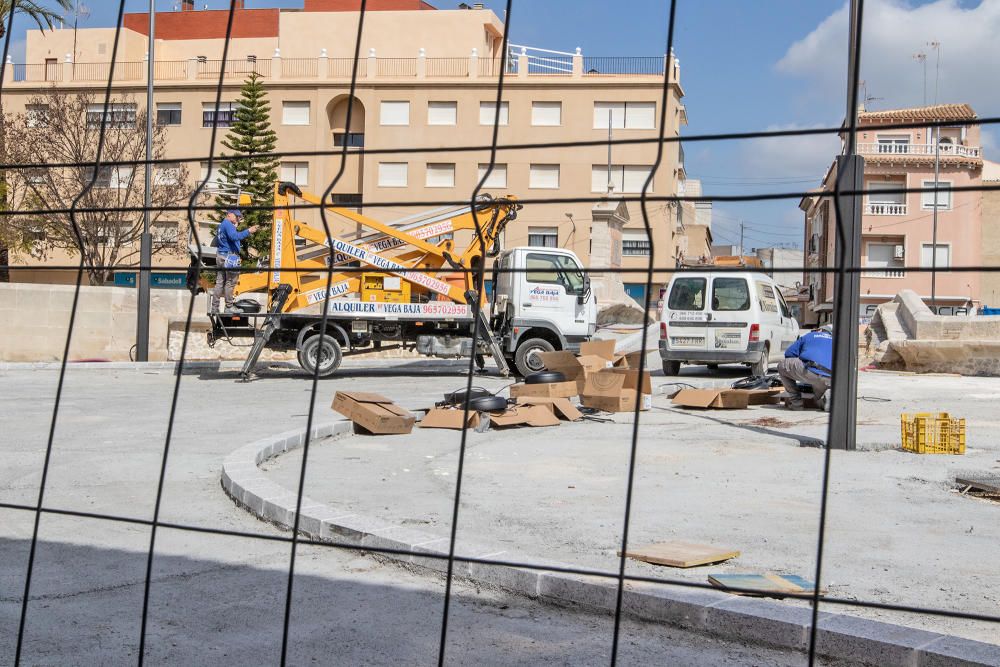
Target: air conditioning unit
[(898, 252)]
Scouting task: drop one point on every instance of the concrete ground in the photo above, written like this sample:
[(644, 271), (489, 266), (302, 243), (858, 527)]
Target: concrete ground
[(218, 599)]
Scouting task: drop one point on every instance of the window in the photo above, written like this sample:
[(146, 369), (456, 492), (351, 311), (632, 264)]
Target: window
[(109, 177), (625, 178), (296, 172), (884, 260), (729, 294), (625, 115), (34, 235), (52, 70), (168, 113), (687, 294), (893, 143), (223, 116), (488, 112), (351, 139), (117, 115), (442, 113), (555, 269), (441, 175), (635, 242), (295, 113), (546, 114), (929, 258), (392, 174), (876, 194), (544, 176), (37, 115), (395, 113), (164, 233), (167, 174), (215, 178), (543, 237), (498, 177), (943, 192)]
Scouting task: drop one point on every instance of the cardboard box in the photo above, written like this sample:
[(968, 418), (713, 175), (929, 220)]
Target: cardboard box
[(373, 413), (732, 399), (617, 390), (566, 389), (560, 407), (762, 396), (449, 418), (525, 415)]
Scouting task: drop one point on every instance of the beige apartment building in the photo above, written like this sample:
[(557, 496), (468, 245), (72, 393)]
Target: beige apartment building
[(426, 79), (897, 228)]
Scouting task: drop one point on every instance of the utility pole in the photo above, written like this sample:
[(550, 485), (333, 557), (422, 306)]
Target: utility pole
[(146, 240), (741, 238)]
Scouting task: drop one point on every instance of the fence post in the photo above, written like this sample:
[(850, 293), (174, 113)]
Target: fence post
[(276, 64), (474, 64), (324, 64), (522, 62), (422, 63), (67, 73), (192, 72), (372, 63), (578, 63)]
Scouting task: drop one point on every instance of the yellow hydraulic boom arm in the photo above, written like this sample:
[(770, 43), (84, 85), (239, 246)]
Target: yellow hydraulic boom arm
[(408, 254)]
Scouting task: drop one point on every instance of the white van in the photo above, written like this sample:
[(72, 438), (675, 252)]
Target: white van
[(724, 318)]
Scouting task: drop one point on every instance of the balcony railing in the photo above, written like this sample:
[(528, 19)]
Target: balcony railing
[(946, 150), (885, 208), (884, 273)]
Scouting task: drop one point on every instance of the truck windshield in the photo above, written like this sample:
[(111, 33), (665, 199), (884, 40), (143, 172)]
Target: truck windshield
[(730, 294), (555, 269), (687, 294)]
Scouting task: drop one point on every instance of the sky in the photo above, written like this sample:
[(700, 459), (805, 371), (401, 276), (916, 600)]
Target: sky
[(751, 65)]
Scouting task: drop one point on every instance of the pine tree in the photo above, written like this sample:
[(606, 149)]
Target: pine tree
[(250, 136)]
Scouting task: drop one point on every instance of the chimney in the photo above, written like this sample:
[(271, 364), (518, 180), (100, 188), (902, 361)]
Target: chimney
[(187, 5)]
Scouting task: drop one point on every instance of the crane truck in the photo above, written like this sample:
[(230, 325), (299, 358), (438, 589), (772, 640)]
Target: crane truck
[(406, 284)]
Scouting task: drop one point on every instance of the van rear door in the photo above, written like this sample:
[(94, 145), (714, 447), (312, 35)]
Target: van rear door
[(685, 314), (731, 313)]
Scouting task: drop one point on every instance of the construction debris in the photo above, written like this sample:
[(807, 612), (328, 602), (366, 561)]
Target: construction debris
[(680, 554), (763, 585), (373, 413)]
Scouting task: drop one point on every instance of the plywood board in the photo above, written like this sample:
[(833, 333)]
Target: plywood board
[(681, 554), (767, 584)]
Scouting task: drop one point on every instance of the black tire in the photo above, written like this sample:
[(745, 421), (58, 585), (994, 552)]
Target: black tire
[(526, 358), (671, 368), (759, 367), (713, 367), (488, 404), (544, 377), (458, 397), (329, 355)]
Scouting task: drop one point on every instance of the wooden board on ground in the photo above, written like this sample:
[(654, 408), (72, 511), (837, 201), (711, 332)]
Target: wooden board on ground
[(985, 483), (680, 554), (767, 584)]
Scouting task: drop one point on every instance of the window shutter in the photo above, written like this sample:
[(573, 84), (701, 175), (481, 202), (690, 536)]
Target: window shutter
[(640, 115), (498, 177), (392, 174), (544, 176), (295, 113), (487, 110), (395, 113), (546, 114), (442, 113), (441, 175), (601, 111), (634, 178)]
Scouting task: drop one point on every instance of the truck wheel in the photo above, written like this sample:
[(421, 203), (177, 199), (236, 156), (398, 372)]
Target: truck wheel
[(671, 368), (328, 356), (759, 367), (526, 360)]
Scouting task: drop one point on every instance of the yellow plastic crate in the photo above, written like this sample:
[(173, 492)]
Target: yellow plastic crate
[(932, 433)]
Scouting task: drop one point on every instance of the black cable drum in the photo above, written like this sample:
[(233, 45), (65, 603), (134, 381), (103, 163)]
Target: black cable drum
[(544, 377), (458, 397), (488, 404)]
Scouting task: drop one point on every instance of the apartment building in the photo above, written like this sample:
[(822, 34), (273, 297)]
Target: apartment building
[(427, 79), (898, 228)]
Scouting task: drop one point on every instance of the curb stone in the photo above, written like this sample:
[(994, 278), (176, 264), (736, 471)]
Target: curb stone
[(712, 612)]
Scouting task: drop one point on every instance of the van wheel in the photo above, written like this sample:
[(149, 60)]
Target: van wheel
[(671, 368), (759, 367), (327, 356), (526, 359)]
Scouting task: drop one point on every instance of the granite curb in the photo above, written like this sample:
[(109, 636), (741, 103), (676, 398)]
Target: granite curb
[(713, 612)]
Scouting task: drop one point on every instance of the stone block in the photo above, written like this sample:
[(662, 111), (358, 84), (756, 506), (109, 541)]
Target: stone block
[(857, 639), (957, 652), (684, 607), (515, 579), (593, 592), (761, 621)]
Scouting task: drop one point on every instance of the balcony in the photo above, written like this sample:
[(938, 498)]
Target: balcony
[(885, 208), (924, 150), (884, 273)]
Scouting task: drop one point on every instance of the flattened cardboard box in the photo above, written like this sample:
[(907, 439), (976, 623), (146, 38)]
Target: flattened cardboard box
[(449, 418), (525, 415), (733, 399), (573, 367), (566, 389), (373, 412), (616, 390), (560, 407)]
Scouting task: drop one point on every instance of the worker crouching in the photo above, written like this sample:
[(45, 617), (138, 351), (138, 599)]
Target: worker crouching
[(808, 360)]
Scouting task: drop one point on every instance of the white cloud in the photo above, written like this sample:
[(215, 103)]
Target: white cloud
[(789, 158)]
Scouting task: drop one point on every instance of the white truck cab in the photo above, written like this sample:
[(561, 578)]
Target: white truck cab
[(722, 318), (542, 302)]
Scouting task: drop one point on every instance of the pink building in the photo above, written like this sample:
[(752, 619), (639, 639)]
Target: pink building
[(897, 228)]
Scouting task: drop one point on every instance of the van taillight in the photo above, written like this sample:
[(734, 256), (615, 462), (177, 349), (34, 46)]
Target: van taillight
[(663, 330), (754, 333)]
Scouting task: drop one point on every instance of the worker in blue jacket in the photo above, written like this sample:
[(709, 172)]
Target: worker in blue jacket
[(808, 360), (228, 258)]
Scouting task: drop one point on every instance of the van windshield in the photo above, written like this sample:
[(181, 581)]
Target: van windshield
[(687, 294), (730, 294)]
